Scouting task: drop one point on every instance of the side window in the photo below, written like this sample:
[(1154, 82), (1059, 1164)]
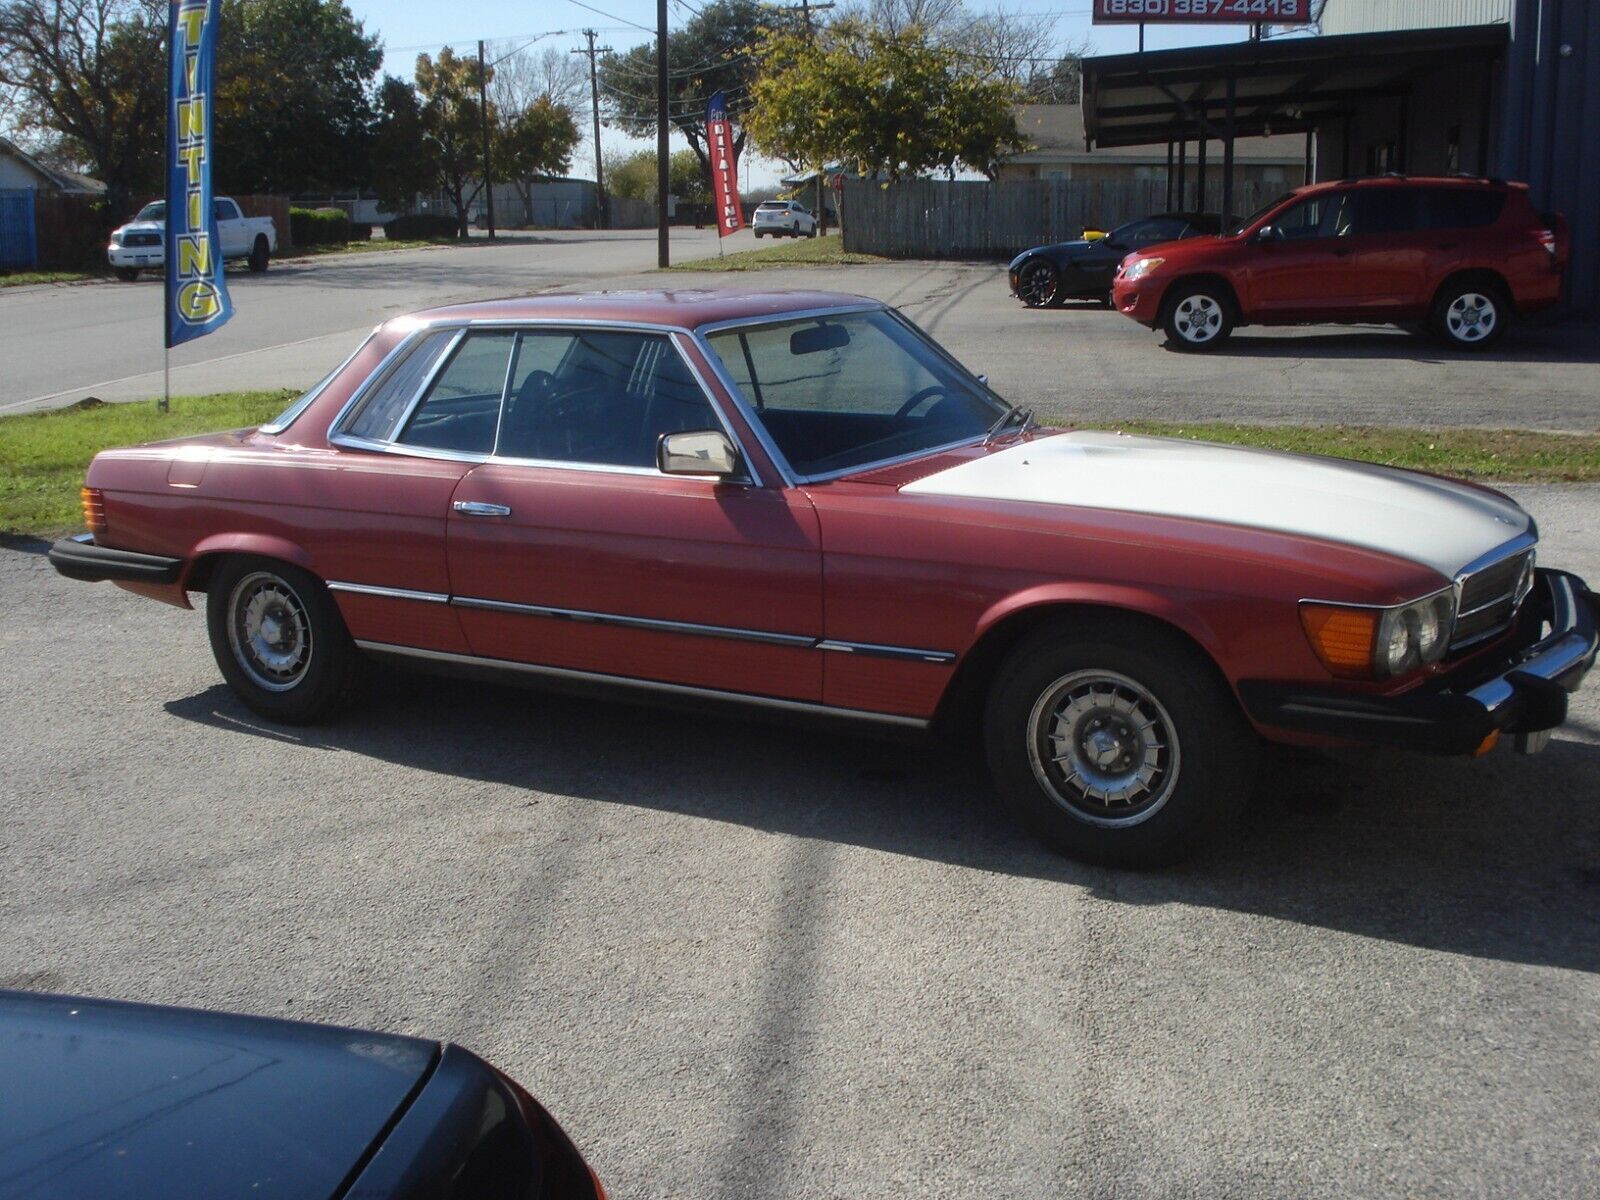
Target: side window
[(1460, 208), (1380, 210), (462, 406), (598, 397), (1312, 218), (383, 407), (225, 210)]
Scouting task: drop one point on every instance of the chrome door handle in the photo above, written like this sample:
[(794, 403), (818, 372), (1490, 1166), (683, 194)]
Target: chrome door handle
[(478, 508)]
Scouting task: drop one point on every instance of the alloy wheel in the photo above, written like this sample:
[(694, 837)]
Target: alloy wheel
[(269, 631), (1471, 317), (1198, 318)]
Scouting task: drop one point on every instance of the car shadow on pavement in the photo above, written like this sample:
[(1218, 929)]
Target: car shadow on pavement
[(1497, 858), (1558, 342)]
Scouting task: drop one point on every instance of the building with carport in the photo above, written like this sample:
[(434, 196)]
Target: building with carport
[(1501, 88)]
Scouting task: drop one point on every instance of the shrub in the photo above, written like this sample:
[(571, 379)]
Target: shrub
[(319, 226), (421, 225), (361, 232)]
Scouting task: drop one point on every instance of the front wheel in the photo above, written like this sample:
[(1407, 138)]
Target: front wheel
[(1197, 317), (127, 274), (1123, 748), (1039, 284), (260, 255), (280, 642)]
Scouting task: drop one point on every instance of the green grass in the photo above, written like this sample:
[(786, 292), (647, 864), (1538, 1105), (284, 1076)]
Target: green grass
[(790, 252), (25, 278), (43, 455), (1509, 455)]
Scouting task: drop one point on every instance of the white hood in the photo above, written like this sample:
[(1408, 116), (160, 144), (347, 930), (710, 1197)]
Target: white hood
[(1434, 522)]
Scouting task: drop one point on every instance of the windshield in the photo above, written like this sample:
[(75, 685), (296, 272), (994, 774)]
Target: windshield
[(842, 391), (156, 210), (1240, 226)]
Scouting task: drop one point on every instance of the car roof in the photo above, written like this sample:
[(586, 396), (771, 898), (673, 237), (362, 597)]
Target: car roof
[(676, 308), (1467, 182)]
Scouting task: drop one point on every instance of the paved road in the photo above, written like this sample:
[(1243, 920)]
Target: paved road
[(744, 962), (1082, 363), (292, 324)]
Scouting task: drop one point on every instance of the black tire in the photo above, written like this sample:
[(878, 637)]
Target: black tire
[(311, 671), (1171, 785), (813, 232), (127, 274), (1039, 284), (758, 234), (1470, 315), (1197, 317), (260, 255)]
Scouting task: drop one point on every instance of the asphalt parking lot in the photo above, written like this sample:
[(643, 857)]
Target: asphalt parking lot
[(1081, 364), (743, 961)]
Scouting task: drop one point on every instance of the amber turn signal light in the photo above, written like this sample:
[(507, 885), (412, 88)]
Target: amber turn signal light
[(94, 510), (1342, 637)]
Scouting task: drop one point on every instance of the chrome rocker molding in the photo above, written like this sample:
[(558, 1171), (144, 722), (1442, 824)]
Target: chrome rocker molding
[(647, 685), (799, 641)]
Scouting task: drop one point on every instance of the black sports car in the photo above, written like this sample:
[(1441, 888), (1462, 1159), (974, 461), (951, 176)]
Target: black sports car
[(103, 1099), (1048, 275)]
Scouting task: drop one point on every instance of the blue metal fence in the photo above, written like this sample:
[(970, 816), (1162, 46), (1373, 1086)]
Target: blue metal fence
[(18, 246)]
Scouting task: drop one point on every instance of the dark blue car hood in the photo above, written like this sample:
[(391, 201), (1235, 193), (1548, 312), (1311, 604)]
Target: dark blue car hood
[(1057, 251), (102, 1099)]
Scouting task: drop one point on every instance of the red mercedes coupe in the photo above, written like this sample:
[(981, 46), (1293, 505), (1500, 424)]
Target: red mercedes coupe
[(799, 502)]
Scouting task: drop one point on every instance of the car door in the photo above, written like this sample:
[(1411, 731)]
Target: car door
[(569, 549), (1297, 269), (230, 228), (1380, 251)]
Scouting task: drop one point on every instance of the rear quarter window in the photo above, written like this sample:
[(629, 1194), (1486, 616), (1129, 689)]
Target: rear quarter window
[(1460, 208)]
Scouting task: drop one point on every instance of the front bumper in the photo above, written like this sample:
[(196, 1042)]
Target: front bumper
[(1140, 299), (136, 256), (1522, 690), (79, 558)]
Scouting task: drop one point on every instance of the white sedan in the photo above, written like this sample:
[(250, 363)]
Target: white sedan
[(784, 218)]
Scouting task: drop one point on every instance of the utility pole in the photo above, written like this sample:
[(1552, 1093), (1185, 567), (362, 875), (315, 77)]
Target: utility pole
[(594, 107), (483, 110), (822, 211), (663, 163)]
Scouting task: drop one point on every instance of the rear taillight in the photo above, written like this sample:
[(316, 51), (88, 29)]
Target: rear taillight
[(94, 510), (1547, 239)]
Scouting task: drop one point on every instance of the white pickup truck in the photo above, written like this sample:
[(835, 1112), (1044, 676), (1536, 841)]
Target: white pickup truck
[(141, 243)]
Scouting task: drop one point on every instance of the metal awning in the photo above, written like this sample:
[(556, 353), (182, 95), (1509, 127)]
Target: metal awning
[(1281, 86)]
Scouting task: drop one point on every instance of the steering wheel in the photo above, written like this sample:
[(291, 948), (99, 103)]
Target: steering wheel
[(926, 393)]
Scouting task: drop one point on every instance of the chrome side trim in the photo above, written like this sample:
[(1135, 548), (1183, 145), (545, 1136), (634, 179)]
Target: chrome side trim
[(799, 640), (648, 685), (345, 442), (388, 593), (873, 650), (753, 476), (793, 314)]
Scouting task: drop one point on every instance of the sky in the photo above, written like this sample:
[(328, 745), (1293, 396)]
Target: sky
[(409, 28)]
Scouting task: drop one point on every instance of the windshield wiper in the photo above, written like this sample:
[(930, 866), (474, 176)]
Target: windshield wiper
[(1006, 418)]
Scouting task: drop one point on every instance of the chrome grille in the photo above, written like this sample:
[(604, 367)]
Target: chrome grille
[(1489, 598)]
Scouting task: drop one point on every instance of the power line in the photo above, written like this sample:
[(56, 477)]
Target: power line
[(613, 16)]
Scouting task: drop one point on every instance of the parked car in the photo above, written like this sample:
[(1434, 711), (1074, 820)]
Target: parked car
[(783, 218), (1049, 276), (141, 243), (798, 502), (144, 1103), (1465, 255)]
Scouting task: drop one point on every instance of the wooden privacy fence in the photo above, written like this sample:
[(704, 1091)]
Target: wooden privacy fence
[(930, 218)]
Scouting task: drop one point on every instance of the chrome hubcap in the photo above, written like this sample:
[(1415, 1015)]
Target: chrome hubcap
[(1471, 317), (1198, 318), (269, 631), (1103, 747)]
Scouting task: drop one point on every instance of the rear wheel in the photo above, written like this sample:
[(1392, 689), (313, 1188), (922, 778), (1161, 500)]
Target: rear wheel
[(1039, 284), (1197, 317), (1470, 316), (127, 274), (280, 642), (1122, 747), (260, 255)]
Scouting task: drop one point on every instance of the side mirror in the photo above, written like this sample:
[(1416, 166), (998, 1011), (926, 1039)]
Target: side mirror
[(697, 452), (1268, 233)]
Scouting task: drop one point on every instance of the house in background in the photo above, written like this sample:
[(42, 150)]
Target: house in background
[(1059, 151), (20, 171)]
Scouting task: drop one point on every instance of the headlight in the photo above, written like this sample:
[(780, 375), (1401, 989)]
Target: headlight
[(1364, 642), (116, 237), (1139, 268)]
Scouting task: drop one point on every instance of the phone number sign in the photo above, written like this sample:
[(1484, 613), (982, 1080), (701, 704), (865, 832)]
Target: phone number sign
[(1221, 12)]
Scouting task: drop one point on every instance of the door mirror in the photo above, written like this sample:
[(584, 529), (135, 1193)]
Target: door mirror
[(1268, 233), (698, 452)]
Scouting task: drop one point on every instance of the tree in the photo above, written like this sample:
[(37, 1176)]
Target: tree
[(294, 95), (633, 177), (521, 78), (92, 73), (397, 169), (451, 122), (537, 141), (1062, 81), (893, 104), (714, 51)]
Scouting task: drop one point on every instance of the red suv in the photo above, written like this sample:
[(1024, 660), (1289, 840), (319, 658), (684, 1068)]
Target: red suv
[(1462, 254)]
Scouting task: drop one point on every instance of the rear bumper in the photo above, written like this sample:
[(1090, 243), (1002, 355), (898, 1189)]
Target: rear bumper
[(1522, 690), (79, 558)]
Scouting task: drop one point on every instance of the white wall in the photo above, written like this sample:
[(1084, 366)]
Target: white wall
[(1376, 16), (14, 175)]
